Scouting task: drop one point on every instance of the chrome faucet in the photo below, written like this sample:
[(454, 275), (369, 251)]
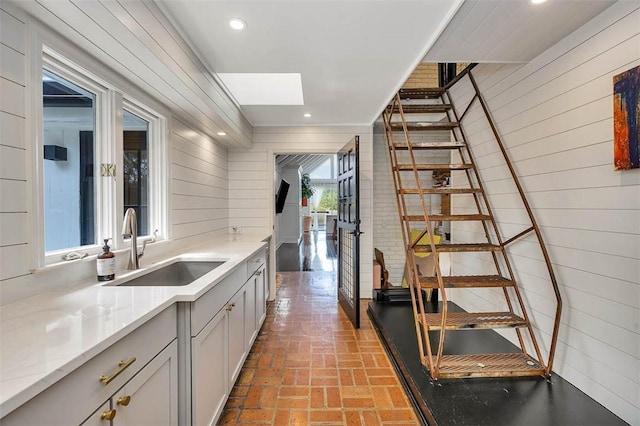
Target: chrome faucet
[(130, 229)]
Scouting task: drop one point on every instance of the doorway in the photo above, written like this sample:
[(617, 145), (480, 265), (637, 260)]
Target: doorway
[(304, 229)]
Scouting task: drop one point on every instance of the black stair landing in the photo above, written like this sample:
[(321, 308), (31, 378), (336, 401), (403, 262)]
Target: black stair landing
[(508, 401)]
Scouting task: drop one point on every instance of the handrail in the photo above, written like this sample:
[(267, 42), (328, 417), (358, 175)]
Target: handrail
[(534, 224)]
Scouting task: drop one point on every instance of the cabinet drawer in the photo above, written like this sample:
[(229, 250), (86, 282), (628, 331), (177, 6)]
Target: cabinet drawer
[(256, 261), (74, 398), (203, 309)]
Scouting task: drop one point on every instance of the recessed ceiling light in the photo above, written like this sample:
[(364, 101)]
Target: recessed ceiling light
[(222, 134), (237, 24), (307, 115), (537, 1)]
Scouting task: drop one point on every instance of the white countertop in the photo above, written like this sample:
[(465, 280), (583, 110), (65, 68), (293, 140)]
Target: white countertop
[(46, 337)]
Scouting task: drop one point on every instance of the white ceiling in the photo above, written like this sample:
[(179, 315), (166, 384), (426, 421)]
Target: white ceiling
[(510, 30), (353, 55)]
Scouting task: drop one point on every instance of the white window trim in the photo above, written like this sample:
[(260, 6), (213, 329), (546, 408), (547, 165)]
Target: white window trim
[(108, 135)]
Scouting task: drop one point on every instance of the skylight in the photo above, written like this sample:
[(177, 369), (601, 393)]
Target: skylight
[(264, 88)]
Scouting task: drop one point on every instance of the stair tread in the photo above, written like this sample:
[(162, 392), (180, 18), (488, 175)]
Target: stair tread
[(420, 109), (422, 93), (489, 365), (466, 247), (425, 125), (409, 167), (429, 145), (475, 320), (465, 281), (447, 217), (442, 190)]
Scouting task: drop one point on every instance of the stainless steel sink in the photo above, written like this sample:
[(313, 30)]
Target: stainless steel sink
[(173, 275)]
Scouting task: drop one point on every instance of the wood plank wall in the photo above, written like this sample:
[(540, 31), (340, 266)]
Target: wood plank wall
[(198, 188), (555, 115), (14, 239), (251, 176)]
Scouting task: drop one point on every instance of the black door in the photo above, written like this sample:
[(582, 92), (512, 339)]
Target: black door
[(349, 231)]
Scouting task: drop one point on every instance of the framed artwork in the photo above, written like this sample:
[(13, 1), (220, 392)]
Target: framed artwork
[(626, 120)]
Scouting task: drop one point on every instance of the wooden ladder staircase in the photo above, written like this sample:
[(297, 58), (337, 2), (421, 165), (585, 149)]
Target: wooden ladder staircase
[(436, 126)]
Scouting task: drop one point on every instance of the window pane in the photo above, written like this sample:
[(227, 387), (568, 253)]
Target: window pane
[(69, 145), (136, 168)]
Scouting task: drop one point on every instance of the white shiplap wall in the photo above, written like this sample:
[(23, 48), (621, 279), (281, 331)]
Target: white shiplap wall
[(137, 41), (251, 191), (555, 117), (198, 185), (14, 198)]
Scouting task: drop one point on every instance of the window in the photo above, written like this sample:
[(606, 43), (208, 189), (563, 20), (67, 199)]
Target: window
[(103, 152), (69, 117), (136, 168)]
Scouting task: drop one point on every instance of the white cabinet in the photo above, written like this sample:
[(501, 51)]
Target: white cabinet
[(220, 341), (210, 379), (238, 328), (141, 365), (148, 399)]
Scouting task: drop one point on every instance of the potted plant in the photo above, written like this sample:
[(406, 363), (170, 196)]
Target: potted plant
[(305, 189)]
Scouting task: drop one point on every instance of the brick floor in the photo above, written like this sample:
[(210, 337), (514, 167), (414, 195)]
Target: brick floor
[(310, 367)]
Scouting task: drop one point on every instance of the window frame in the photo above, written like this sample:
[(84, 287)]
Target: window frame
[(110, 102)]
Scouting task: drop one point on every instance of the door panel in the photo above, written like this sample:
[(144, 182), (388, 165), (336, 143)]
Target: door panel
[(349, 231)]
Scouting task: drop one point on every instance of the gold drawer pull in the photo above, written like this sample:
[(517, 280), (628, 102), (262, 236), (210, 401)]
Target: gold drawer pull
[(124, 400), (258, 261), (258, 273), (123, 365), (230, 306), (108, 415)]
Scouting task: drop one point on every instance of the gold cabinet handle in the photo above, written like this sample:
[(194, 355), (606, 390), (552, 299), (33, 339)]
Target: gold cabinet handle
[(258, 261), (124, 400), (230, 306), (122, 365), (258, 273), (108, 415)]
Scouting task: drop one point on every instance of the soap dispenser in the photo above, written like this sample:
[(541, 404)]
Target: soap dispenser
[(106, 264)]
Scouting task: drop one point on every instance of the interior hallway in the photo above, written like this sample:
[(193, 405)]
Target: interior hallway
[(316, 252), (310, 366)]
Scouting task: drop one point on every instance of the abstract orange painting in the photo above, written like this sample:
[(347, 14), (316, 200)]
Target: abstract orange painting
[(626, 120)]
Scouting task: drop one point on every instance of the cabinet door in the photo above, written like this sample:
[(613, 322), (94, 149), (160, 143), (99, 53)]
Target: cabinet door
[(237, 341), (96, 418), (262, 292), (250, 318), (209, 370), (151, 396)]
